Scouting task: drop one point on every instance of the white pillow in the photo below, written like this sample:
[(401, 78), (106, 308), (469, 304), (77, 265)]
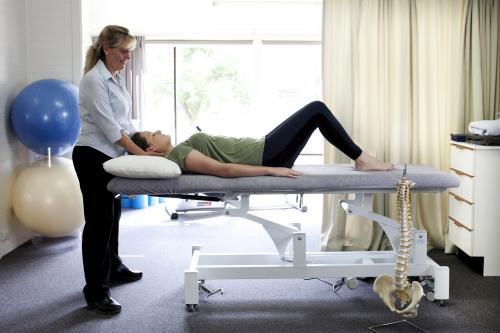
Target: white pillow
[(135, 166)]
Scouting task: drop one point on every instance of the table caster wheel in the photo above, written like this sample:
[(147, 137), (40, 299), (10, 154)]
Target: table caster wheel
[(351, 282), (174, 216), (192, 307), (429, 296)]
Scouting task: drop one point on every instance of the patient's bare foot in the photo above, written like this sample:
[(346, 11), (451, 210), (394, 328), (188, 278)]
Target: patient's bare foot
[(367, 162)]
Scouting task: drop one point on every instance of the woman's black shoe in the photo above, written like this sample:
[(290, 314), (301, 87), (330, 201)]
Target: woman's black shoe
[(125, 275), (107, 305)]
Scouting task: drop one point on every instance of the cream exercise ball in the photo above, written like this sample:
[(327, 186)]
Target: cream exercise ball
[(47, 198)]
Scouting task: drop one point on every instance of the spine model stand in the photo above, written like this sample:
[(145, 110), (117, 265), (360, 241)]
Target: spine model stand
[(396, 292)]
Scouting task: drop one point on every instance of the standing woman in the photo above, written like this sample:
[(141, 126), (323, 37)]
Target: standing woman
[(105, 112)]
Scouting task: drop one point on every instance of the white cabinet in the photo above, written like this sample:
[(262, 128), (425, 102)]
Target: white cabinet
[(474, 207)]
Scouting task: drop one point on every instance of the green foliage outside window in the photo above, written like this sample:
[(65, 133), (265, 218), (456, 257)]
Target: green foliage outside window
[(209, 78)]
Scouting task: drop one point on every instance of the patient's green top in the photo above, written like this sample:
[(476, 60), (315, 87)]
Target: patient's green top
[(221, 148)]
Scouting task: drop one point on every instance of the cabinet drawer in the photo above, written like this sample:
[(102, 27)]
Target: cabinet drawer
[(462, 159), (460, 236), (461, 211), (466, 188)]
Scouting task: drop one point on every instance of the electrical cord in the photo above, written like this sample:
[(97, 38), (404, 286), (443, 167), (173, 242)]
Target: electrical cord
[(336, 286)]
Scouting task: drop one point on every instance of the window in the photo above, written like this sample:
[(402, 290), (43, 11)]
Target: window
[(159, 89), (232, 88)]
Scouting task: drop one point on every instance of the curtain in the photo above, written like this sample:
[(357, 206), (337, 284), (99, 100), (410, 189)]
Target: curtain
[(134, 77), (393, 74), (482, 60)]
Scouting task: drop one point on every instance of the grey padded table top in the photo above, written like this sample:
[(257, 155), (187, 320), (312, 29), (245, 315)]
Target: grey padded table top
[(334, 178)]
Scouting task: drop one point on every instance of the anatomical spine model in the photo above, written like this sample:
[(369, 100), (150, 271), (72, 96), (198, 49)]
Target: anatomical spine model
[(396, 291)]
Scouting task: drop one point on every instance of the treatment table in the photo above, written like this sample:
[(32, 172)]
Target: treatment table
[(291, 259)]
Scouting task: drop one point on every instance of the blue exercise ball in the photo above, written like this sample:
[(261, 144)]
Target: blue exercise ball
[(45, 115)]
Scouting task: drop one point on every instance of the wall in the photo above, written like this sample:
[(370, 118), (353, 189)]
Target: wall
[(53, 38), (13, 155), (38, 39)]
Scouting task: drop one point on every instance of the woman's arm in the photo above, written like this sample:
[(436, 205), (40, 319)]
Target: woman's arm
[(199, 163)]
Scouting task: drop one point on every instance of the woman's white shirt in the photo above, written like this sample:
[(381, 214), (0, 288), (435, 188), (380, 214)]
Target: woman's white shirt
[(105, 111)]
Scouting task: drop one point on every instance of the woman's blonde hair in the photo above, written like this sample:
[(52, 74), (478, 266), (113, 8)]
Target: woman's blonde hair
[(112, 36)]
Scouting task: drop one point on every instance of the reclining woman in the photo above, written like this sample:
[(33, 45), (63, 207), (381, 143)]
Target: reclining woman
[(272, 155)]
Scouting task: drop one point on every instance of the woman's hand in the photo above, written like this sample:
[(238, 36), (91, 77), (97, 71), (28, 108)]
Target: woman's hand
[(283, 172), (133, 149)]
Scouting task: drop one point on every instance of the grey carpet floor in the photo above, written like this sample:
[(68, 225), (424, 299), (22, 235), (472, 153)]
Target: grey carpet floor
[(41, 282)]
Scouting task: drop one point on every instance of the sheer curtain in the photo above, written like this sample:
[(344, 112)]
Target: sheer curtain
[(134, 77), (393, 75)]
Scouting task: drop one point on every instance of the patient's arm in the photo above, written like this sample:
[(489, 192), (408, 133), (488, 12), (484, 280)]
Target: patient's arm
[(200, 163)]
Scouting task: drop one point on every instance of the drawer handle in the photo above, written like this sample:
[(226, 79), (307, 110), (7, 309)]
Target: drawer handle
[(461, 173), (458, 198), (458, 224)]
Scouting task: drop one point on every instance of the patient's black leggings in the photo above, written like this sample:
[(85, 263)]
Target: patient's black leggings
[(284, 143)]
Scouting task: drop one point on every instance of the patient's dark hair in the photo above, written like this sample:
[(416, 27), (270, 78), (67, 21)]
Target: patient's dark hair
[(139, 140)]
